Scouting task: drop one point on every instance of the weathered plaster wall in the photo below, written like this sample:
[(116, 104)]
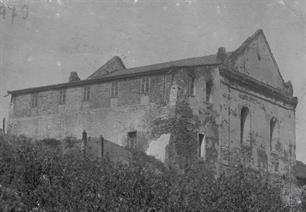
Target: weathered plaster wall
[(255, 151), (167, 120), (257, 62), (101, 115)]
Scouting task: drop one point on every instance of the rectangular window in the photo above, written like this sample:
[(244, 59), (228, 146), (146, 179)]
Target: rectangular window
[(86, 94), (145, 85), (62, 97), (132, 140), (208, 91), (114, 90), (34, 98), (191, 88)]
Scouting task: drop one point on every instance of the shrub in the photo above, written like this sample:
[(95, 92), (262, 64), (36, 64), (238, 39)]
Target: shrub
[(35, 176)]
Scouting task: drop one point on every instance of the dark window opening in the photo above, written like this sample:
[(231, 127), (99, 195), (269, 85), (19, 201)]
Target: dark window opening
[(201, 138), (62, 97), (272, 126), (114, 90), (34, 100), (191, 89), (86, 94), (13, 100), (208, 91), (258, 54), (132, 140), (243, 117), (145, 85)]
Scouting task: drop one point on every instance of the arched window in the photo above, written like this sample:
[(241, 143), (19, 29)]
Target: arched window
[(273, 121), (202, 148), (244, 125)]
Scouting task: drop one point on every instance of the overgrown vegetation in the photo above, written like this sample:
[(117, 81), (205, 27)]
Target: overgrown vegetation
[(38, 177)]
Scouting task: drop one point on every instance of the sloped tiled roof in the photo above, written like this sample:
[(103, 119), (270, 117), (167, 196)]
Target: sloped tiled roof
[(196, 61)]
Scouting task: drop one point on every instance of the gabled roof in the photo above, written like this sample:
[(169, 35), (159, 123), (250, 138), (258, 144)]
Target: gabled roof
[(114, 64), (247, 42)]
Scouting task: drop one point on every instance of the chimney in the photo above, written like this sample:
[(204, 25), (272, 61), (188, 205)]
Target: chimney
[(222, 55), (74, 77)]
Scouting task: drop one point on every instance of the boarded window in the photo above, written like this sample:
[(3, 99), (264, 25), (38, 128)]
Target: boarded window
[(208, 91), (114, 89), (202, 149), (34, 100), (273, 121), (145, 85), (62, 97), (244, 125), (132, 140), (86, 93)]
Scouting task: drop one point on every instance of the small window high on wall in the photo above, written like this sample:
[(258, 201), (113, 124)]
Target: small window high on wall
[(145, 85), (208, 91), (244, 124), (62, 96), (114, 89), (192, 89), (86, 93), (202, 149), (34, 100), (273, 121)]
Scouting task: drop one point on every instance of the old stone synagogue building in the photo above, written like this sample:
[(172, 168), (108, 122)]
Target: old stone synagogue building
[(221, 108)]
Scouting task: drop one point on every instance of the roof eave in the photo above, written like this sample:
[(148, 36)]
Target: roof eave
[(258, 86), (99, 80)]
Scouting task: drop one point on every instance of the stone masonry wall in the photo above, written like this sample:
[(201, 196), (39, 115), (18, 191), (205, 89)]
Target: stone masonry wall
[(256, 152)]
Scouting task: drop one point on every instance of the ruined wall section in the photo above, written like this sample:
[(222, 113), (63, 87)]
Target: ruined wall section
[(256, 151), (195, 115)]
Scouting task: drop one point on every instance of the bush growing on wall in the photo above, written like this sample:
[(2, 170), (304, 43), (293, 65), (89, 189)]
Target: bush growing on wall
[(34, 176)]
